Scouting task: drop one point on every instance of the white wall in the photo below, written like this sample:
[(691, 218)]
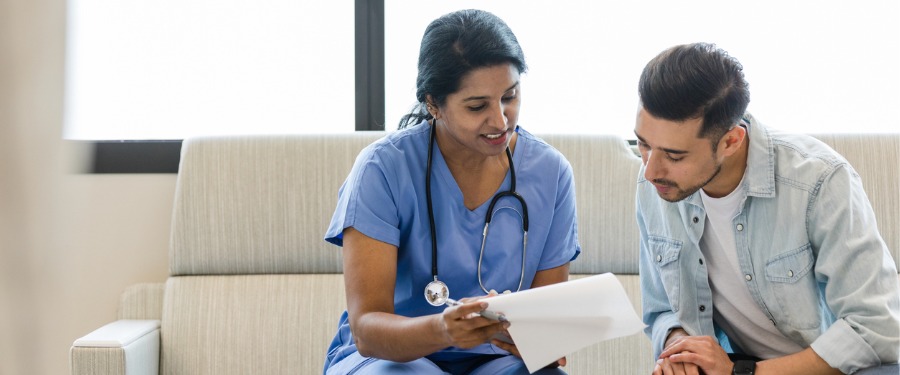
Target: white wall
[(69, 243)]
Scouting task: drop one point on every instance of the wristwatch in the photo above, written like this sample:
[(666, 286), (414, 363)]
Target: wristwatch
[(743, 367)]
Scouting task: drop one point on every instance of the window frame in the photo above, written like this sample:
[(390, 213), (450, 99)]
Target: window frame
[(163, 156)]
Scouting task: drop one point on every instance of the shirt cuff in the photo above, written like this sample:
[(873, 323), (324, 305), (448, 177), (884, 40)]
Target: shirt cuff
[(844, 349), (663, 324)]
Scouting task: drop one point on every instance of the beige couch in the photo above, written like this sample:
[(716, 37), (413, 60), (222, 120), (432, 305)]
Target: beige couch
[(254, 289)]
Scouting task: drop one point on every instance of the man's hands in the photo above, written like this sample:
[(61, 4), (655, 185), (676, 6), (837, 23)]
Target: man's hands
[(700, 351), (664, 366), (689, 355)]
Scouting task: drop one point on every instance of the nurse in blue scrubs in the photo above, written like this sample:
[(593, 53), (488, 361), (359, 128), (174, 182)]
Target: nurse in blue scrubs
[(411, 215)]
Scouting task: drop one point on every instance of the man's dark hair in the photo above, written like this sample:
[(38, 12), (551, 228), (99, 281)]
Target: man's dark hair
[(694, 81), (454, 45)]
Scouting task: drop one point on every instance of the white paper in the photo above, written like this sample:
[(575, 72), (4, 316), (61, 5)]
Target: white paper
[(553, 321)]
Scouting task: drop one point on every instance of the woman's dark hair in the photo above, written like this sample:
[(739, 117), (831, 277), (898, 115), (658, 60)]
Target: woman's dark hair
[(455, 44), (694, 81)]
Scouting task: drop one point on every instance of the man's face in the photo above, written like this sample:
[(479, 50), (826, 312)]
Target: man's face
[(676, 160)]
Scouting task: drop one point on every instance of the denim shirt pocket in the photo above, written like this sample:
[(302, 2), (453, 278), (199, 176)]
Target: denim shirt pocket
[(665, 252), (795, 287)]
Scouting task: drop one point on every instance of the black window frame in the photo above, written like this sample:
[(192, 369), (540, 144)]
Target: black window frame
[(163, 156)]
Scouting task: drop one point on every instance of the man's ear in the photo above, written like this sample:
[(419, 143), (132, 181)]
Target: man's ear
[(732, 140)]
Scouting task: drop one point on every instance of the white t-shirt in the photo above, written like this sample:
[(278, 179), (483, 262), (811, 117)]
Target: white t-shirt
[(735, 311)]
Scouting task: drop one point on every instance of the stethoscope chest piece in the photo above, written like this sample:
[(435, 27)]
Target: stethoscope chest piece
[(437, 293)]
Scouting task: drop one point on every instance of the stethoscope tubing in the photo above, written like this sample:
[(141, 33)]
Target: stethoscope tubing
[(488, 216), (434, 266)]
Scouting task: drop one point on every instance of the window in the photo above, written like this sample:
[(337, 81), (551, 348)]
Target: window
[(169, 69), (813, 66)]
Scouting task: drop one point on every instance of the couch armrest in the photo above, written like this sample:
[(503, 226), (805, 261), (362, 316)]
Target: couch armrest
[(124, 347)]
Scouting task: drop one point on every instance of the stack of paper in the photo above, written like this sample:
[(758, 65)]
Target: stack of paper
[(551, 322)]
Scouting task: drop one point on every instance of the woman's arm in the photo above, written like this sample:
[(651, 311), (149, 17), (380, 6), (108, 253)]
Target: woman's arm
[(370, 274), (551, 276)]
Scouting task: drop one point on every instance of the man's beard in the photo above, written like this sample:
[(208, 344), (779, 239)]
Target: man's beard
[(684, 193)]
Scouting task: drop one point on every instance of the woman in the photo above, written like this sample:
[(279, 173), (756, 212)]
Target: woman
[(411, 215)]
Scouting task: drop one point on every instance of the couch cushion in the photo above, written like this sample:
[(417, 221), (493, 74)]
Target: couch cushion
[(253, 324)]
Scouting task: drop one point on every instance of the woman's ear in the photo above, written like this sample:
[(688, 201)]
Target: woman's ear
[(431, 107)]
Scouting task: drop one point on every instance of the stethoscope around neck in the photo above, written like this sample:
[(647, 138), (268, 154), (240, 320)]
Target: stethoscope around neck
[(437, 292)]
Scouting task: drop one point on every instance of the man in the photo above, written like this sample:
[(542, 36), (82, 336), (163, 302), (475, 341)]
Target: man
[(755, 244)]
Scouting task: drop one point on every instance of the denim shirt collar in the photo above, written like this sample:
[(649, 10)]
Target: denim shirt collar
[(760, 173)]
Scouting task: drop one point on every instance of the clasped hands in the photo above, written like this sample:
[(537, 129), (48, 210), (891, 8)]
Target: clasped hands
[(692, 355)]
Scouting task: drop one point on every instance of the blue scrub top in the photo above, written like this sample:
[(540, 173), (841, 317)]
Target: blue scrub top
[(384, 198)]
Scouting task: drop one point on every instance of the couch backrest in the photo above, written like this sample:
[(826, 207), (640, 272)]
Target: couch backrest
[(259, 204), (605, 170), (249, 204)]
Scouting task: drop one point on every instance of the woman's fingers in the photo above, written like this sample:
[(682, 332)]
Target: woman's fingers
[(466, 329), (511, 348)]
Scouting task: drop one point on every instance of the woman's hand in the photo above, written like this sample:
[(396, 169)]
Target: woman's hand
[(542, 278), (370, 271), (514, 350), (463, 327), (504, 341)]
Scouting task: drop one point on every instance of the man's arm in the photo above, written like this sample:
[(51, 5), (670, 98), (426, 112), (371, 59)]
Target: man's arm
[(705, 353), (656, 309), (860, 278), (803, 362)]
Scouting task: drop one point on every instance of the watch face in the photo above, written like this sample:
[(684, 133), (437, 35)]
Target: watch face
[(744, 367)]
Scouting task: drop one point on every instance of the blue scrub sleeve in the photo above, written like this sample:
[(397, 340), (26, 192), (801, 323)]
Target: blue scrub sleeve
[(562, 240), (366, 202)]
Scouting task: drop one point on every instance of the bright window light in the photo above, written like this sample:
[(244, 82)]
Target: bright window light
[(813, 66), (169, 69)]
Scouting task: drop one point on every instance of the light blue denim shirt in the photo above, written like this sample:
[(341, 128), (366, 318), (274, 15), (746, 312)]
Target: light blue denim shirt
[(808, 247)]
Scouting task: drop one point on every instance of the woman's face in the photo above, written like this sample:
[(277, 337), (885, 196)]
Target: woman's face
[(480, 117)]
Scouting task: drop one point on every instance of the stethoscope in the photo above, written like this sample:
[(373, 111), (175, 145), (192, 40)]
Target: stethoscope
[(436, 292)]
